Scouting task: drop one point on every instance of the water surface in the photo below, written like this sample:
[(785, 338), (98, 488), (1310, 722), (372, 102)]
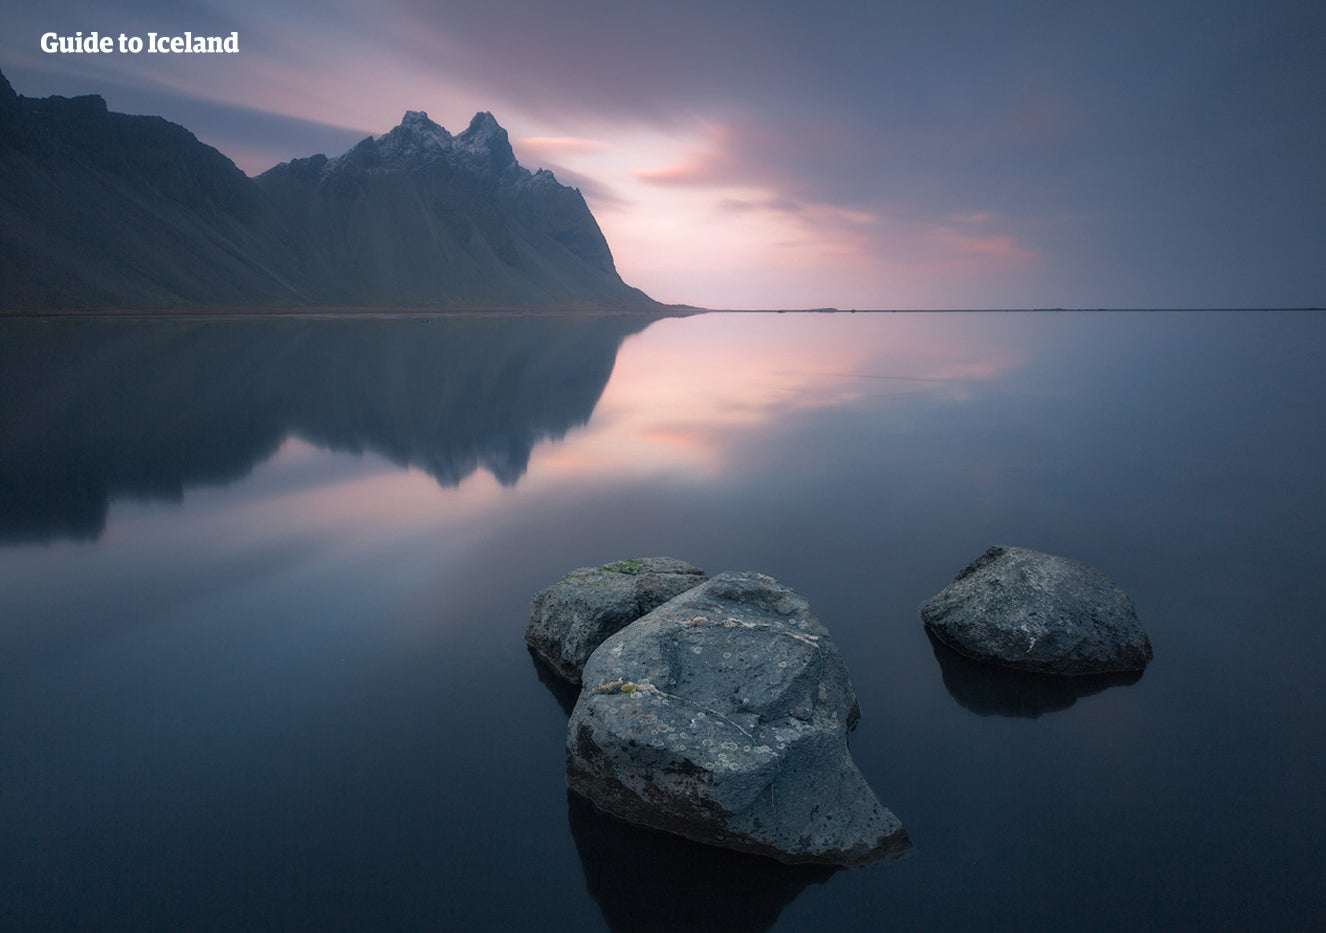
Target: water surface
[(263, 586)]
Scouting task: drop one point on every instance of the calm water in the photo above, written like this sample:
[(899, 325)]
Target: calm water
[(263, 587)]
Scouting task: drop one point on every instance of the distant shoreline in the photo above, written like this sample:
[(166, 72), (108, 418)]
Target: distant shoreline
[(335, 312), (661, 311)]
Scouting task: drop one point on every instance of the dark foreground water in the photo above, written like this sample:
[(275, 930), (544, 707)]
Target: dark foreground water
[(263, 586)]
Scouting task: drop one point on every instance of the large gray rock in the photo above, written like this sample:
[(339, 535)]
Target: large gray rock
[(1037, 612), (572, 617), (722, 716)]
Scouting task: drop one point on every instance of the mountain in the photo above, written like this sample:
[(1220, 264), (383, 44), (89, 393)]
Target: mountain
[(103, 209), (419, 213), (107, 209)]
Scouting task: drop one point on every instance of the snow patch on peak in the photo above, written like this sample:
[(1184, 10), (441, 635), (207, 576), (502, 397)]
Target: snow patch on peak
[(484, 145), (416, 143), (415, 139)]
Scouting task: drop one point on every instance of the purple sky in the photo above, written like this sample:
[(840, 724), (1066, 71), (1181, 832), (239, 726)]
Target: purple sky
[(932, 154)]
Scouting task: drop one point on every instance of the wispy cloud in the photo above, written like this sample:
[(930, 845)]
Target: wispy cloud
[(970, 155), (553, 146), (978, 235)]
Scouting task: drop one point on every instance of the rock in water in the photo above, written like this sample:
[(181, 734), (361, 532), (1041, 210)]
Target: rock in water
[(722, 716), (572, 617), (1038, 612)]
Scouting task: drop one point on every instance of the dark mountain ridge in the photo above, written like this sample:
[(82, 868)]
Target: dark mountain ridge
[(104, 209)]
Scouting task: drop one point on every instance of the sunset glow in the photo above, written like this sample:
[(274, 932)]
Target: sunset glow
[(686, 393), (857, 159)]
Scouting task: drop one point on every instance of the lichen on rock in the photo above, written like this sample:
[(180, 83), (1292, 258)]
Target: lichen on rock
[(573, 616)]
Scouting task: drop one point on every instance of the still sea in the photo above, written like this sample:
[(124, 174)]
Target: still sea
[(264, 583)]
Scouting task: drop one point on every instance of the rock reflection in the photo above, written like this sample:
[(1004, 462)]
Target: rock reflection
[(92, 410), (644, 880), (563, 691), (988, 690)]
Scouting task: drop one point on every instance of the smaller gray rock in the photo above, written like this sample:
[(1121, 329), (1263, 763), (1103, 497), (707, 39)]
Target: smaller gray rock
[(572, 617), (1037, 612)]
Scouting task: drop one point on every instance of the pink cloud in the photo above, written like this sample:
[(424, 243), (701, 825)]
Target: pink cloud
[(710, 169), (976, 236), (718, 161), (554, 146), (776, 204)]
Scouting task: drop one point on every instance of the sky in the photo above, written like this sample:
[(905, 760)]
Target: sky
[(926, 154)]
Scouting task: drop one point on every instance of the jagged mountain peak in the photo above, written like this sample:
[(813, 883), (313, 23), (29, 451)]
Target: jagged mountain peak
[(485, 144), (483, 120), (415, 137), (415, 124), (418, 143)]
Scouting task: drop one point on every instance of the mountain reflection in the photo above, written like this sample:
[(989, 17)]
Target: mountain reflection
[(988, 690), (94, 410)]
